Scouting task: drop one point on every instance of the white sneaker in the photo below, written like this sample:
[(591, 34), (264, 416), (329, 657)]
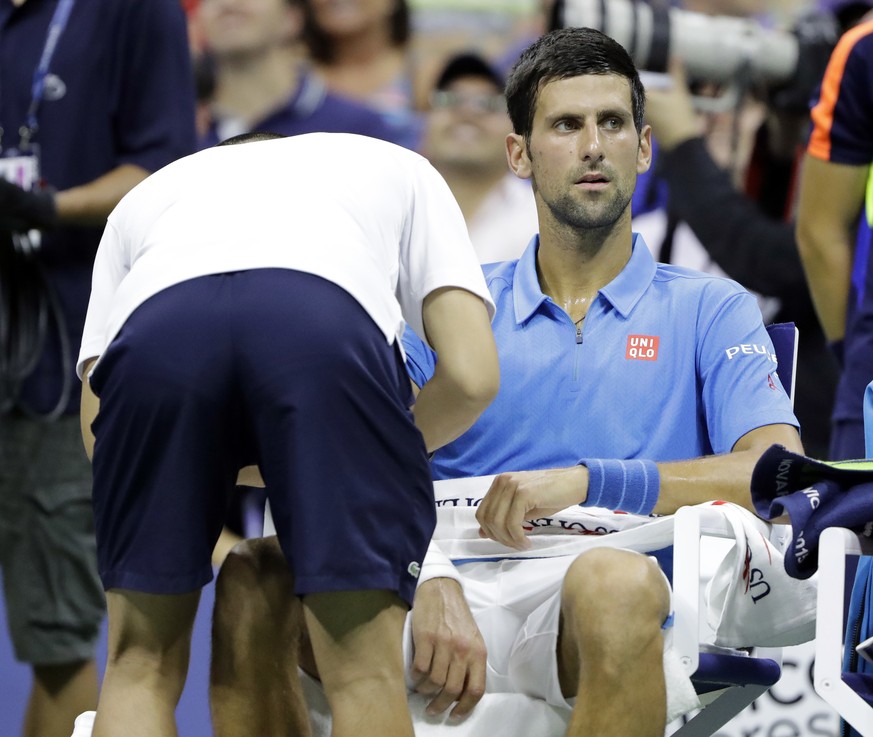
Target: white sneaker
[(84, 724)]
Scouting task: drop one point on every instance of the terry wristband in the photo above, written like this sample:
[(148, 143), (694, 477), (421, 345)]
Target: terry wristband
[(629, 486)]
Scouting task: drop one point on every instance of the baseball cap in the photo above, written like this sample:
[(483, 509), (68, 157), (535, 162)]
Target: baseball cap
[(468, 64)]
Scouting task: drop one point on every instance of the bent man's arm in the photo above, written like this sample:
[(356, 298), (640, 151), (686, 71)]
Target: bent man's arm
[(466, 377), (831, 198)]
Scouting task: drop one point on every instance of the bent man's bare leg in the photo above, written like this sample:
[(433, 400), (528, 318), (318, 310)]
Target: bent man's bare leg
[(611, 646), (149, 647), (357, 642)]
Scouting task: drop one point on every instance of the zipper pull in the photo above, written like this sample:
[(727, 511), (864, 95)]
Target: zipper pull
[(578, 335)]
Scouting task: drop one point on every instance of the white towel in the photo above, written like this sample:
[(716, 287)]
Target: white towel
[(751, 600)]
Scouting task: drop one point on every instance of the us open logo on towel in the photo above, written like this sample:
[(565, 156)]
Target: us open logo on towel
[(642, 347)]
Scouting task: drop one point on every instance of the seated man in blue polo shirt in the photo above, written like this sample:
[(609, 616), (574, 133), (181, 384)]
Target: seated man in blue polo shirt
[(625, 384)]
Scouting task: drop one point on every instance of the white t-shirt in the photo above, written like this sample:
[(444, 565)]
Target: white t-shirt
[(371, 217)]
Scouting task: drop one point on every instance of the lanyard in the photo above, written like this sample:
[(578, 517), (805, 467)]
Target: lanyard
[(55, 30)]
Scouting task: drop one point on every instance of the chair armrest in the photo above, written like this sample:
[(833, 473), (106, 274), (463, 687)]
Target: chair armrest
[(690, 574), (691, 523)]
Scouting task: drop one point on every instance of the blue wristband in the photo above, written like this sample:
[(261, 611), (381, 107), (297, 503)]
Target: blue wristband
[(628, 486)]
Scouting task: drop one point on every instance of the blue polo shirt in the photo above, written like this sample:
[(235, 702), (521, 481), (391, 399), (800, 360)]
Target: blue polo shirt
[(672, 364), (120, 91), (313, 109)]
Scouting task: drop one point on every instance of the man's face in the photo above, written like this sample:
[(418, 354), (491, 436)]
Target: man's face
[(467, 126), (245, 27), (585, 153)]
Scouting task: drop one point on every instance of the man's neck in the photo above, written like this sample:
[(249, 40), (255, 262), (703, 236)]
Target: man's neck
[(250, 87), (572, 267)]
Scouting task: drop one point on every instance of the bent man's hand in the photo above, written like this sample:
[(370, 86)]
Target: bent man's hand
[(523, 495), (450, 655)]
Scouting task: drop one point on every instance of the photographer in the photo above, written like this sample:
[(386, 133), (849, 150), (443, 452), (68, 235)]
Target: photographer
[(94, 96)]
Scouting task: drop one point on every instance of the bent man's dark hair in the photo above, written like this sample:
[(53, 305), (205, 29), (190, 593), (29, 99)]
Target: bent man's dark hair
[(250, 138)]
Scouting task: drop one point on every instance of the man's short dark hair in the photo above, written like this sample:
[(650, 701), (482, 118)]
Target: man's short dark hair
[(561, 54)]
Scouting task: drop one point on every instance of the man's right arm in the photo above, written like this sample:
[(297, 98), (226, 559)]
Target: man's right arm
[(466, 376)]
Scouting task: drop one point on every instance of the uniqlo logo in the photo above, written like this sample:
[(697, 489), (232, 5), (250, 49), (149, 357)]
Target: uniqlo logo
[(642, 347)]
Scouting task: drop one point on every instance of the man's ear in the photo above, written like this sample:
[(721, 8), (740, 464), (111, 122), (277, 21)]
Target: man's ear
[(644, 153), (517, 156)]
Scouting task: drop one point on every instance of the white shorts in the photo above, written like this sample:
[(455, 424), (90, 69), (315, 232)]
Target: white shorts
[(517, 606)]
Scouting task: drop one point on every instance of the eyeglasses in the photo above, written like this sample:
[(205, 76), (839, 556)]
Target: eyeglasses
[(448, 100)]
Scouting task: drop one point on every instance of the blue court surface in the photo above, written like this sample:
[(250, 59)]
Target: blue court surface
[(192, 714)]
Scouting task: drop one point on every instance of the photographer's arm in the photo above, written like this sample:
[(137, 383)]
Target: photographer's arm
[(752, 248), (87, 204), (91, 203), (756, 250)]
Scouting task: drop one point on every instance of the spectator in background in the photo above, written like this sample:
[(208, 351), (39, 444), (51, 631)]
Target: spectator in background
[(260, 82), (833, 229), (95, 95), (465, 139), (749, 238), (362, 49)]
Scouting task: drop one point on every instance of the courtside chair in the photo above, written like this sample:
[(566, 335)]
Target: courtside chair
[(849, 693)]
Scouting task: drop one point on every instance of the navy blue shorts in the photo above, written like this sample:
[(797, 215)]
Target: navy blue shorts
[(274, 367)]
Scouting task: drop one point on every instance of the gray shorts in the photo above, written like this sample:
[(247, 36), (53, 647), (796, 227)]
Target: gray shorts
[(54, 599)]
